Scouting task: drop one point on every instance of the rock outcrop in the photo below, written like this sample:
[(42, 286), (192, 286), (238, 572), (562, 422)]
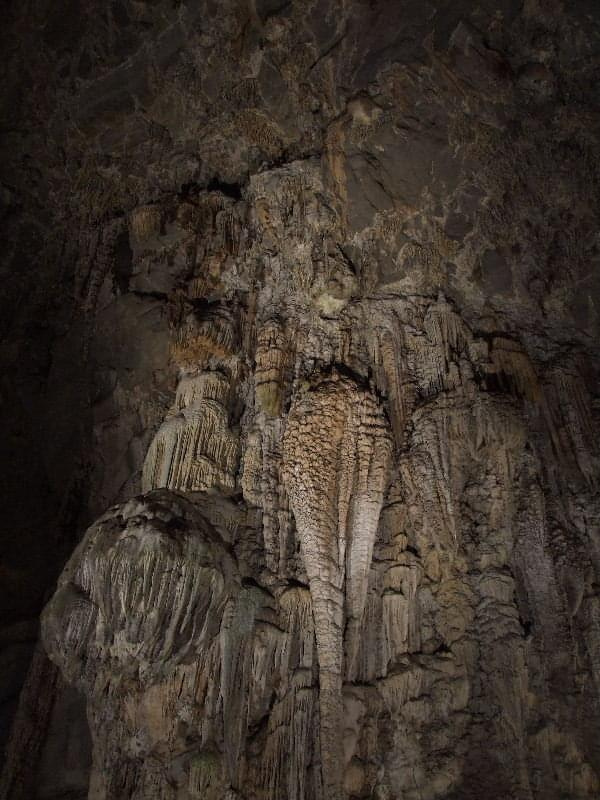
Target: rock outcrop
[(180, 661), (305, 294)]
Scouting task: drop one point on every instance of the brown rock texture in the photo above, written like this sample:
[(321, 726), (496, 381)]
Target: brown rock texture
[(307, 295), (336, 458)]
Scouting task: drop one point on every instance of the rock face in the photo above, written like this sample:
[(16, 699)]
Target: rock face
[(180, 659), (306, 294)]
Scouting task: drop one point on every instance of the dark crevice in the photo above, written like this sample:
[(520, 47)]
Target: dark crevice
[(233, 190), (248, 582), (123, 262), (294, 583), (151, 295)]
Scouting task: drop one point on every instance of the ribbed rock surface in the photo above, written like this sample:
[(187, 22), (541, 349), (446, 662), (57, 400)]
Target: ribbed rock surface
[(336, 458), (306, 294), (180, 661)]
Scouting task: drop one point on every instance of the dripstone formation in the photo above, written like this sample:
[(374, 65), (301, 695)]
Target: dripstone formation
[(320, 289)]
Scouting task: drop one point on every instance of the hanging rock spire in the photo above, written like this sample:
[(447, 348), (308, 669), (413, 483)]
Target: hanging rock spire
[(337, 450)]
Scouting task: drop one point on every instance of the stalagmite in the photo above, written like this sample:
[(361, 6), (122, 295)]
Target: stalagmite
[(145, 589), (336, 457)]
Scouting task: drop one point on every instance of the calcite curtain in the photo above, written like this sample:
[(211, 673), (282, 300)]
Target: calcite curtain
[(302, 324)]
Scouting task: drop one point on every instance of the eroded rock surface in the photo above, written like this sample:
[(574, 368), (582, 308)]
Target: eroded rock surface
[(336, 457), (181, 660), (306, 294)]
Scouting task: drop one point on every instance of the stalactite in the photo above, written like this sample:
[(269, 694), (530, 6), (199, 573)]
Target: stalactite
[(390, 356), (438, 353), (291, 733), (270, 493), (194, 449), (574, 411), (213, 333), (271, 356), (252, 464), (145, 224), (206, 779), (336, 461), (514, 368)]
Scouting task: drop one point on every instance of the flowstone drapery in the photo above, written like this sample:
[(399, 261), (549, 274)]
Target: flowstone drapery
[(305, 294), (344, 544)]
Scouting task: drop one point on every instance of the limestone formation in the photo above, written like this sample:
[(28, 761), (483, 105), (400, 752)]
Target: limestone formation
[(336, 458), (271, 356), (139, 594), (202, 335), (177, 659), (194, 448), (307, 295)]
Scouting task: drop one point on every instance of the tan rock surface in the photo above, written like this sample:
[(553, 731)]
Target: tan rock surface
[(305, 294)]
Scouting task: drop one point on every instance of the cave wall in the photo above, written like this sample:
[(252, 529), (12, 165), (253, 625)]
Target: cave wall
[(320, 281)]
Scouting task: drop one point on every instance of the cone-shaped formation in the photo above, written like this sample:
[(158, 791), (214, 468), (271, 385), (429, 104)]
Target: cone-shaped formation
[(270, 362), (337, 449)]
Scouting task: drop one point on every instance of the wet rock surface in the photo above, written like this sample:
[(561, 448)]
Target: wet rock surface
[(305, 294)]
